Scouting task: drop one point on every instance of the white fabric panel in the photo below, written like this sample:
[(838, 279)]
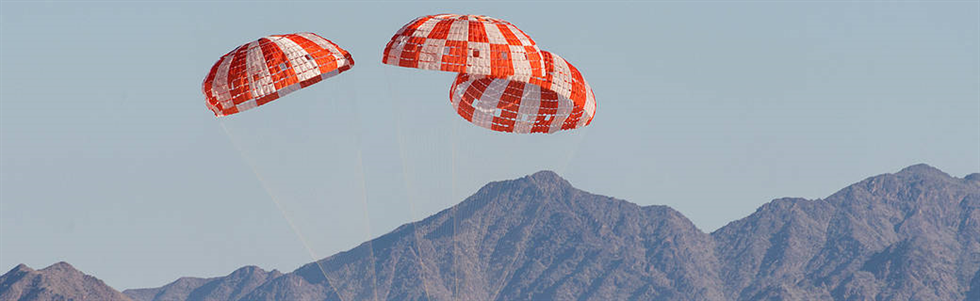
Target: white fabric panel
[(483, 111), (480, 64), (528, 112), (459, 31), (395, 50), (431, 54), (220, 86), (304, 68), (260, 83)]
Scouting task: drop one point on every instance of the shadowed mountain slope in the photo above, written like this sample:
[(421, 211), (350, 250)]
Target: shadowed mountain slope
[(59, 281), (532, 238), (230, 287), (912, 235)]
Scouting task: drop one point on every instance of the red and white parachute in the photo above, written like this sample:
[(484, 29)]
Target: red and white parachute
[(561, 100), (271, 67), (505, 82), (464, 44)]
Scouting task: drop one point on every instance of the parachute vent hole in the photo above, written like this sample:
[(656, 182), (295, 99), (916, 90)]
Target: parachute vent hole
[(446, 50), (282, 66), (476, 53), (497, 112), (309, 57), (503, 55)]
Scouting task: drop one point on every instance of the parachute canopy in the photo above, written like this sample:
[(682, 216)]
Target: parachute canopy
[(470, 44), (560, 100), (271, 67)]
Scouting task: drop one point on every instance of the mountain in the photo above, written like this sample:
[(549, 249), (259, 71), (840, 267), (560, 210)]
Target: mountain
[(911, 235), (535, 238), (231, 287), (59, 281)]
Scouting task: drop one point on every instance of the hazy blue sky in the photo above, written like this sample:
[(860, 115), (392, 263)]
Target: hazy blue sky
[(110, 160)]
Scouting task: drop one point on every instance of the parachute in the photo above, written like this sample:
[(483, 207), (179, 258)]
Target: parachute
[(561, 100), (505, 82), (470, 44), (269, 68)]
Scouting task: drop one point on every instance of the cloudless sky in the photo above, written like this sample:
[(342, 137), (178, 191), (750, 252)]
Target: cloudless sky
[(110, 160)]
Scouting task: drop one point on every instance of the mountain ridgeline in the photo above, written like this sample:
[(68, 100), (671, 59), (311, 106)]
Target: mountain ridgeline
[(912, 235), (60, 281)]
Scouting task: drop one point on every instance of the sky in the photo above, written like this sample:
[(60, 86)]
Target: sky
[(110, 160)]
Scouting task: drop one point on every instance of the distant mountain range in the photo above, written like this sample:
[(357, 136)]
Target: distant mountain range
[(912, 235), (59, 281)]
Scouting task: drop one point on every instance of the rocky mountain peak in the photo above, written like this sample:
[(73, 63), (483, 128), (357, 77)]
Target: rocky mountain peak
[(547, 181), (21, 268), (61, 267), (922, 169), (546, 176), (59, 281), (909, 235), (973, 177), (230, 287)]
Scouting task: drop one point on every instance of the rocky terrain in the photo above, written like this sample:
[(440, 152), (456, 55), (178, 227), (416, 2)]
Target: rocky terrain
[(912, 235), (59, 281)]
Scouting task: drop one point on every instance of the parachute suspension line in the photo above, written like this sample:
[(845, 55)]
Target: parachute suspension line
[(282, 210), (363, 184), (367, 219), (580, 133), (523, 244), (409, 183), (454, 193), (579, 136)]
